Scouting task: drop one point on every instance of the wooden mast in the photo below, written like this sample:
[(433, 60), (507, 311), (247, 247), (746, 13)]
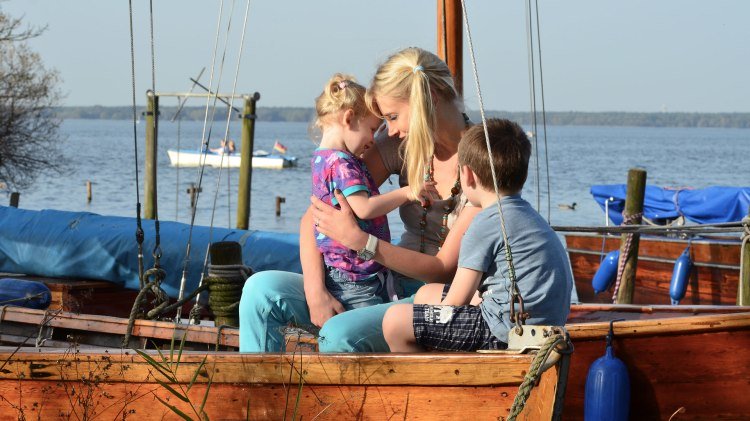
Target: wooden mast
[(449, 39)]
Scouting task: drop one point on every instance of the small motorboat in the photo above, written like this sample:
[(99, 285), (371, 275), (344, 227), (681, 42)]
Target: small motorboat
[(261, 159)]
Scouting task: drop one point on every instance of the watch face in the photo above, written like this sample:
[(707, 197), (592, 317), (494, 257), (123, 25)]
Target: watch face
[(365, 254)]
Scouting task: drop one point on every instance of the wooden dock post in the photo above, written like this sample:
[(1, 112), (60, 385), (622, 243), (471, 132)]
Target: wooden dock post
[(152, 129), (743, 288), (629, 254), (224, 253), (279, 201), (193, 192), (450, 39), (88, 191), (246, 166), (14, 197)]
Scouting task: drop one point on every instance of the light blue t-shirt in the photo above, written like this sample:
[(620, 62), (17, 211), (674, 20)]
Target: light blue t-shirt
[(540, 261)]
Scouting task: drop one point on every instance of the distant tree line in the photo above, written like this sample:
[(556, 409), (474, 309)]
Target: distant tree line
[(555, 118)]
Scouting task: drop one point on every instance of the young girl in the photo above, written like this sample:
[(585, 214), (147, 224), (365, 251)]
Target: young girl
[(347, 127)]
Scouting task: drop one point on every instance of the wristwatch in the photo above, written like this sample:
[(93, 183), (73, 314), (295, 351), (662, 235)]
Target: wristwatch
[(368, 251)]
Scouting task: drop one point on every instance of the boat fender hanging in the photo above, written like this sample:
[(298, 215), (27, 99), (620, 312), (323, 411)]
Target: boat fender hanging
[(607, 395), (680, 277), (607, 272), (21, 293)]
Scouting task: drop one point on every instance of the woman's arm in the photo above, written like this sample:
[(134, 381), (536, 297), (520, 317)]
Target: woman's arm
[(367, 207), (321, 303), (342, 227)]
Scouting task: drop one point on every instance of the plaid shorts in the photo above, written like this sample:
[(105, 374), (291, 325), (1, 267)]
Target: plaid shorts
[(449, 328)]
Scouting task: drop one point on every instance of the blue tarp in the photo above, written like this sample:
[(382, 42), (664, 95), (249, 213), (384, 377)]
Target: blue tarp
[(85, 245), (704, 206)]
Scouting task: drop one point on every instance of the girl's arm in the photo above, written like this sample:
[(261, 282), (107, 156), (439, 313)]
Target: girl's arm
[(342, 227), (368, 207), (321, 303)]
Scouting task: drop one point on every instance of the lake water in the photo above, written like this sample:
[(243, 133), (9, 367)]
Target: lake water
[(102, 151)]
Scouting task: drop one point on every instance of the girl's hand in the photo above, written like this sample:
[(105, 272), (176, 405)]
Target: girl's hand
[(322, 306), (338, 224), (427, 195)]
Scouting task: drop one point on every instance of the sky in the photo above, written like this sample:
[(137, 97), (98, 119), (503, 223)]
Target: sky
[(597, 55)]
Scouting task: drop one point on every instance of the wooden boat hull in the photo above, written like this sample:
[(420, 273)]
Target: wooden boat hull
[(121, 383), (184, 158), (713, 280)]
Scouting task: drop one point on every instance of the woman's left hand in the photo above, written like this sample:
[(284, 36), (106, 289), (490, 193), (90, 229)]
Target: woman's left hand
[(338, 224)]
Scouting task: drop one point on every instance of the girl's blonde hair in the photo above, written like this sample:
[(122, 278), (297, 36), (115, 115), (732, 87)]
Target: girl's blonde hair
[(414, 75), (342, 92)]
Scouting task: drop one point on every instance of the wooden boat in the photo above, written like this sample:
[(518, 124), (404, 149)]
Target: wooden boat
[(677, 356), (60, 381), (261, 159), (713, 280)]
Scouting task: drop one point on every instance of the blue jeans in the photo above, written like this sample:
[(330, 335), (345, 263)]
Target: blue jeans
[(355, 294), (272, 299)]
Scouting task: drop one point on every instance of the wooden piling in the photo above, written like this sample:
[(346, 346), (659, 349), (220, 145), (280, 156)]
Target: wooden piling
[(279, 201), (633, 205), (450, 39), (743, 288), (193, 192), (14, 198), (246, 166), (152, 129), (223, 290), (88, 191)]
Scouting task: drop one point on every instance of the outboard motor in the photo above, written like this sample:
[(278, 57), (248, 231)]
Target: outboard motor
[(21, 293), (680, 277), (607, 387), (607, 272)]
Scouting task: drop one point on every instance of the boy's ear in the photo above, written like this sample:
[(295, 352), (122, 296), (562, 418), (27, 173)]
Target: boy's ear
[(468, 176)]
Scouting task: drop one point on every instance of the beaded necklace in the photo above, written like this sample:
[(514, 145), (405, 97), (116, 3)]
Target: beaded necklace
[(447, 209)]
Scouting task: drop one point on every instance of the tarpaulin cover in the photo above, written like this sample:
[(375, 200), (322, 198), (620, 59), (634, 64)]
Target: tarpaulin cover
[(84, 245), (704, 206)]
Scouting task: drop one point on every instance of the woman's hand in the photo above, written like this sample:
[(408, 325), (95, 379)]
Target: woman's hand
[(322, 306), (338, 224), (427, 195)]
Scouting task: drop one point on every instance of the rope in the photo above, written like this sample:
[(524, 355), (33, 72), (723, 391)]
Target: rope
[(515, 294), (157, 275), (532, 98), (24, 299), (626, 220), (225, 284), (544, 114), (535, 371)]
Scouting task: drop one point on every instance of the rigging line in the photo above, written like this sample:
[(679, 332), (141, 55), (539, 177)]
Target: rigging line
[(226, 134), (532, 100), (544, 114), (177, 167), (182, 101), (508, 255), (157, 242), (204, 148), (139, 228)]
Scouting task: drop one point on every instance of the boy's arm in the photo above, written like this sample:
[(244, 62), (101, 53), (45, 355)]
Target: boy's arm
[(368, 207), (463, 287)]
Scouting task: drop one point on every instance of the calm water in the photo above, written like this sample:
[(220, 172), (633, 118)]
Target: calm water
[(102, 151)]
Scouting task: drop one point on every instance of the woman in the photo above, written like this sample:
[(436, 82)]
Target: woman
[(414, 93)]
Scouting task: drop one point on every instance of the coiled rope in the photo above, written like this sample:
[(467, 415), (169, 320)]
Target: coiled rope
[(225, 284), (627, 219), (559, 342)]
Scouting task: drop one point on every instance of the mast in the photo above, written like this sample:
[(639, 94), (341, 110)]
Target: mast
[(449, 39)]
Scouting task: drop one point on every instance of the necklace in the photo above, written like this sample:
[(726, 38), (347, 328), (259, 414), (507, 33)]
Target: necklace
[(447, 209)]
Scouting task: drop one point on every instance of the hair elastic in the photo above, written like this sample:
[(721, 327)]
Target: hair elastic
[(343, 84), (417, 68)]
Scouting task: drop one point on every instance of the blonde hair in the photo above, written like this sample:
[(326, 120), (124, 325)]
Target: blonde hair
[(414, 75), (342, 92)]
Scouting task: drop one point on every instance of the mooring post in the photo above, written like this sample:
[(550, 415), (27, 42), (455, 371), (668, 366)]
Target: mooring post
[(279, 201), (152, 129), (450, 39), (632, 215), (743, 289), (246, 165), (193, 192), (221, 294), (88, 191), (14, 197)]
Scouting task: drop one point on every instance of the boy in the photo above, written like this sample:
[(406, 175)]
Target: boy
[(448, 322)]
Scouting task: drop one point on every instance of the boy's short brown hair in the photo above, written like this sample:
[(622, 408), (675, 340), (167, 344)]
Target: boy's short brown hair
[(511, 150)]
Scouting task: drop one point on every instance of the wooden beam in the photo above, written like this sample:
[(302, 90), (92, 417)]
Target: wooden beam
[(450, 39)]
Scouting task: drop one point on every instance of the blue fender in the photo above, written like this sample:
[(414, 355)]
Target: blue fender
[(680, 277), (606, 273), (607, 396), (21, 293)]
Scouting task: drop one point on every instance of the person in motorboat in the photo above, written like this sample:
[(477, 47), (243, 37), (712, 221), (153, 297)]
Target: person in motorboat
[(442, 317), (414, 92)]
